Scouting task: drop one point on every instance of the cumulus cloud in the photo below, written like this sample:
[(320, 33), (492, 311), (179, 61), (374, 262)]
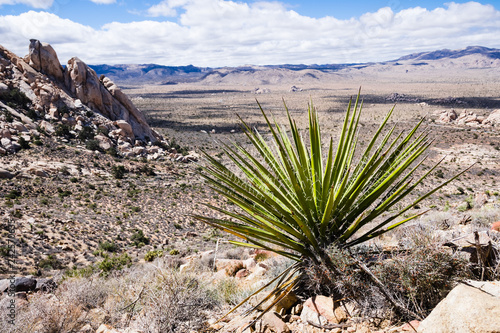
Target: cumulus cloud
[(33, 3), (103, 2), (227, 33), (166, 8)]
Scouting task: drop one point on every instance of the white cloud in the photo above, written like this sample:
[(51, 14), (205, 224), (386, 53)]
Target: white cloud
[(103, 2), (166, 8), (33, 3), (227, 33)]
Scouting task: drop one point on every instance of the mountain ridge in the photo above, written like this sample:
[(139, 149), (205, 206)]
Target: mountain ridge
[(160, 74)]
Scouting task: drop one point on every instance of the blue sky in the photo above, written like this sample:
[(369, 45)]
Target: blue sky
[(230, 33)]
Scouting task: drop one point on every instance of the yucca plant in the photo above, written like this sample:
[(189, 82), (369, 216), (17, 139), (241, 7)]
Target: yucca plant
[(296, 199)]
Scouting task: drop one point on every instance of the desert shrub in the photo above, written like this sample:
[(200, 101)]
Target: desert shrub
[(46, 314), (63, 130), (175, 302), (85, 134), (23, 143), (146, 170), (114, 263), (4, 251), (112, 151), (139, 239), (261, 256), (32, 114), (13, 194), (92, 145), (108, 246), (174, 252), (118, 171), (235, 253), (51, 262), (423, 276), (152, 255), (16, 98), (419, 277), (228, 290), (63, 193)]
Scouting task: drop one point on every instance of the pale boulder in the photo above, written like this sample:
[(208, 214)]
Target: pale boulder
[(323, 309), (447, 116), (105, 143), (493, 119), (43, 58), (466, 309)]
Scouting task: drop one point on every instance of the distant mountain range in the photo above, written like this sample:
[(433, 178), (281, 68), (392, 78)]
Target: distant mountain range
[(473, 56)]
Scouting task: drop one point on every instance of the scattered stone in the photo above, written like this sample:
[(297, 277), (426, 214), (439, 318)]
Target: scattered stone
[(272, 322), (318, 307), (242, 273), (447, 116), (480, 199)]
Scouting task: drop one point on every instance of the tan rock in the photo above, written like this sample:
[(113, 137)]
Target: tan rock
[(480, 199), (104, 142), (4, 174), (47, 127), (5, 133), (465, 309), (138, 150), (493, 119), (272, 322), (447, 116), (322, 306), (230, 266), (285, 304), (242, 273), (125, 127), (43, 58), (495, 226), (18, 126)]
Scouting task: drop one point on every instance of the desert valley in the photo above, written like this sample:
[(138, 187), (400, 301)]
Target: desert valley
[(100, 185)]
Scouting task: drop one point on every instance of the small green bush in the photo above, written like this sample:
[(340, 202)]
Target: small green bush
[(151, 255), (63, 130), (108, 246), (174, 252), (86, 133), (23, 143), (51, 262), (139, 238), (16, 98), (118, 171), (13, 194), (114, 263), (92, 145)]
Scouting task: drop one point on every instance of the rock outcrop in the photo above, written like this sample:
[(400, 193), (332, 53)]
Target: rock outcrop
[(38, 94), (51, 88), (468, 118)]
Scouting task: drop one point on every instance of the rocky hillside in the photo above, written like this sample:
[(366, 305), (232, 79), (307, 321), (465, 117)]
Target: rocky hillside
[(39, 96)]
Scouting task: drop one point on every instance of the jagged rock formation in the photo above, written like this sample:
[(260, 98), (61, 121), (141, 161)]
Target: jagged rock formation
[(49, 87), (38, 94)]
